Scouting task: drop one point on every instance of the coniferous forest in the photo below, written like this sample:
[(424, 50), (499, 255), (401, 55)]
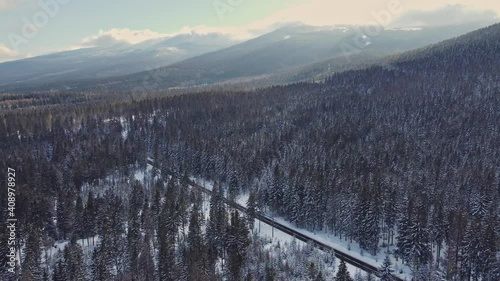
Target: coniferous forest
[(401, 158)]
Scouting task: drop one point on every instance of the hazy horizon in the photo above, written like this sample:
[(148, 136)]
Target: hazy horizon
[(32, 28)]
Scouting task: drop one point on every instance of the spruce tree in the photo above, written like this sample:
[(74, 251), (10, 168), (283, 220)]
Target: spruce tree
[(78, 225), (216, 226), (251, 210), (470, 252), (73, 261), (31, 266), (167, 230), (319, 277), (367, 222), (133, 231), (90, 218), (488, 250), (342, 273), (59, 271), (234, 186), (146, 266), (386, 270), (101, 262), (194, 253), (65, 213), (237, 243)]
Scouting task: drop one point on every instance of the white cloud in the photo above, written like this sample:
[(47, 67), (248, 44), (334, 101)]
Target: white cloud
[(125, 35), (7, 54), (311, 12), (106, 38), (234, 32), (328, 12), (447, 15), (333, 12)]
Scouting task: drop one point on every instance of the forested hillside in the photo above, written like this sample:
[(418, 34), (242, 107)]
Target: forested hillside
[(403, 157)]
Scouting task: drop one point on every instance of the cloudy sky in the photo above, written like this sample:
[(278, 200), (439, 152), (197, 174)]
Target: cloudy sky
[(34, 27)]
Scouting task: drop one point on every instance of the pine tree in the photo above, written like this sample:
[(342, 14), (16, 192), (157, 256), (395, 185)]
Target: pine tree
[(65, 213), (358, 276), (438, 228), (49, 225), (115, 212), (488, 250), (342, 273), (237, 243), (182, 213), (194, 254), (102, 261), (270, 273), (419, 243), (156, 210), (59, 273), (31, 266), (90, 218), (167, 229), (276, 192), (147, 224), (216, 226), (73, 261), (458, 224), (146, 266), (386, 270), (470, 252), (251, 210), (319, 277), (404, 240), (78, 225), (133, 231), (312, 271), (390, 212), (367, 222), (369, 277), (233, 186)]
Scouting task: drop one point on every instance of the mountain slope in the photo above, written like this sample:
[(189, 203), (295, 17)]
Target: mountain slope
[(116, 60), (294, 53), (466, 66), (287, 55)]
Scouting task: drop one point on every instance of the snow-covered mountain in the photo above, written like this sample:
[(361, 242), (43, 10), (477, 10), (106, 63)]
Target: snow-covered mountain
[(294, 53), (118, 59)]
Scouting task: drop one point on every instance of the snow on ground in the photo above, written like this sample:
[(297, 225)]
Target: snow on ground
[(275, 236), (270, 233), (125, 127), (352, 249), (205, 183), (266, 231), (343, 245), (50, 253), (139, 175), (243, 199)]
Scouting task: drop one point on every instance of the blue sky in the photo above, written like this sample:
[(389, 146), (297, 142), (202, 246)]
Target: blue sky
[(33, 27)]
